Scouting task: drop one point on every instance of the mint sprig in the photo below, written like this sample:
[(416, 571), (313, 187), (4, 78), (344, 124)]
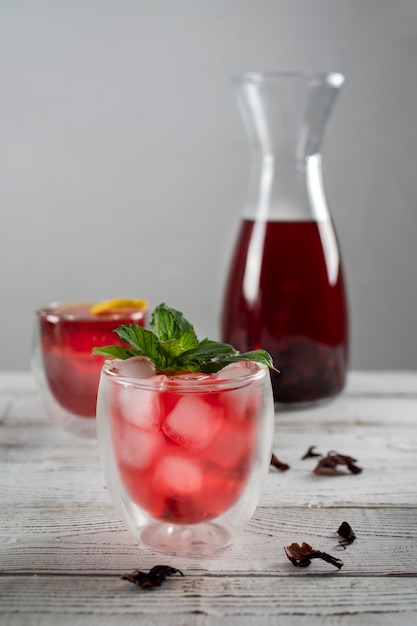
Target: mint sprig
[(173, 346)]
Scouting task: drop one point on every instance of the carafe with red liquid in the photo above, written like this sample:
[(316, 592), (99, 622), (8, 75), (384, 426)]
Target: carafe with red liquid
[(285, 290)]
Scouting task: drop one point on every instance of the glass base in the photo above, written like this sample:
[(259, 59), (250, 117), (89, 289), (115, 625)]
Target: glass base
[(75, 425), (194, 540), (84, 427)]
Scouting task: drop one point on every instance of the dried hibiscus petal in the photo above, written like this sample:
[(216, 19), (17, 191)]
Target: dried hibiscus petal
[(345, 531), (310, 453), (329, 465), (153, 578), (275, 462), (301, 556)]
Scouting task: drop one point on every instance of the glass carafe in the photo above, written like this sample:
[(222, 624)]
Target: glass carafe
[(285, 291)]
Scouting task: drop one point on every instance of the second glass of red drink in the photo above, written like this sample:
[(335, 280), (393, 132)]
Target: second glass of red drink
[(65, 369)]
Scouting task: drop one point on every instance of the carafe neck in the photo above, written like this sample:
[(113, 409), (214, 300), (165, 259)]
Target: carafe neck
[(288, 190), (285, 116)]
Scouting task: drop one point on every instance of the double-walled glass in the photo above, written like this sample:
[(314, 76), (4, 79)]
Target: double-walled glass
[(185, 457), (66, 371)]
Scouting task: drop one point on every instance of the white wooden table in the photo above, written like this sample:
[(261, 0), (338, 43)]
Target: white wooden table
[(63, 547)]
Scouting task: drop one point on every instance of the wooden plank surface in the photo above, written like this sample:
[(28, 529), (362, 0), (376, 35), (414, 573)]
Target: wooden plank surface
[(63, 546)]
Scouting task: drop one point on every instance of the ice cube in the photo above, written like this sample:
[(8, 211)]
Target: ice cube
[(193, 422), (180, 477), (190, 377), (137, 447), (233, 445), (140, 406), (235, 400), (135, 367)]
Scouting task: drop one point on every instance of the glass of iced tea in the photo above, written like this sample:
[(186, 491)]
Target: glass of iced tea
[(66, 371), (185, 455)]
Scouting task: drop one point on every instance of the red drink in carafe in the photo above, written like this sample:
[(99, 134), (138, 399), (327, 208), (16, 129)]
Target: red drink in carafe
[(285, 293)]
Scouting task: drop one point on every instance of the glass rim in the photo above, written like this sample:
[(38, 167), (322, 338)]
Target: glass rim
[(200, 386), (331, 78), (51, 310)]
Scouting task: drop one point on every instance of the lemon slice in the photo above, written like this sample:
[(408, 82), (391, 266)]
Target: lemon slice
[(112, 306)]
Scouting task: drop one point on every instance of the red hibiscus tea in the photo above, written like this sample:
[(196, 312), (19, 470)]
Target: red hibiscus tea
[(183, 456)]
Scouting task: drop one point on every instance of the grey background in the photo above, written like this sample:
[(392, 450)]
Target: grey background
[(123, 161)]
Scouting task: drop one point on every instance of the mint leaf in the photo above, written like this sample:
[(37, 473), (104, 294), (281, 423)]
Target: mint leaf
[(207, 350), (173, 346), (142, 340), (165, 324), (188, 340), (115, 352), (259, 356), (170, 350), (170, 324)]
